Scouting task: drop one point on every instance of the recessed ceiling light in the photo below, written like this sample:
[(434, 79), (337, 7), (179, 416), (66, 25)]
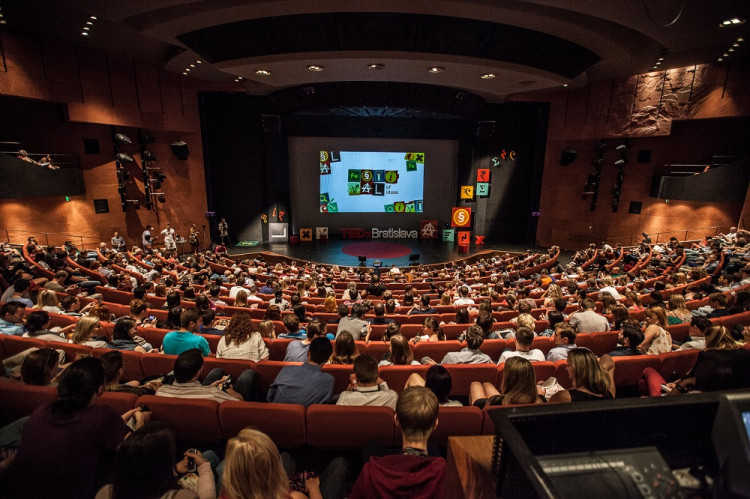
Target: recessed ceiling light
[(725, 54), (654, 67), (488, 76), (565, 84), (86, 28), (315, 67), (730, 49), (735, 44), (658, 62), (240, 78), (184, 72), (732, 21), (263, 72), (85, 33), (89, 23), (719, 59), (660, 59), (376, 66), (192, 65), (3, 21), (187, 69), (740, 39), (199, 61), (93, 18), (436, 69)]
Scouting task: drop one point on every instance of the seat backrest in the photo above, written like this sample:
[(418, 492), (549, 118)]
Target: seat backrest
[(361, 425), (494, 348), (119, 401), (678, 331), (628, 370), (156, 364), (452, 331), (267, 370), (436, 350), (277, 351), (602, 342), (232, 367), (284, 423), (377, 349), (676, 365), (341, 375), (728, 321), (16, 344), (191, 420), (153, 335), (18, 400), (72, 351), (453, 422), (463, 374), (396, 376)]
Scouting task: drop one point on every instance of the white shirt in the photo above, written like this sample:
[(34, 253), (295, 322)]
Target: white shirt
[(379, 395), (534, 355), (611, 290), (253, 349), (464, 301)]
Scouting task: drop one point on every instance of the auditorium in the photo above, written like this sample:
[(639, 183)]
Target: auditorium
[(526, 273)]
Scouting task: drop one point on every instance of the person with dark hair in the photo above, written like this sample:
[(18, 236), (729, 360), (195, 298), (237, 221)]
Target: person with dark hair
[(565, 340), (67, 446), (296, 351), (366, 387), (37, 326), (145, 468), (114, 367), (423, 308), (39, 368), (122, 336), (554, 318), (718, 302), (344, 350), (176, 342), (697, 341), (188, 366), (279, 300), (375, 288), (431, 331), (354, 324), (11, 318), (629, 338), (412, 473), (209, 316), (471, 353), (173, 300), (305, 384), (486, 321), (293, 331), (242, 340), (379, 311), (524, 339)]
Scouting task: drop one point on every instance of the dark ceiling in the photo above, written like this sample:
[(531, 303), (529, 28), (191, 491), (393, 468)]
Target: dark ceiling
[(527, 45)]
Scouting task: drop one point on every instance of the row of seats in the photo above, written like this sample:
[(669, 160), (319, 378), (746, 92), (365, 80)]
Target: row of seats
[(628, 369), (288, 425)]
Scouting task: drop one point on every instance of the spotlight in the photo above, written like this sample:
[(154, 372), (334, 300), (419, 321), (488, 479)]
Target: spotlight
[(149, 156), (122, 139), (162, 198), (621, 148), (620, 162), (161, 176), (156, 184), (123, 158)]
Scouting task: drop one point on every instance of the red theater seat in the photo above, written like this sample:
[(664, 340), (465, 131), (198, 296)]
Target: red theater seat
[(72, 351), (603, 342), (120, 402), (377, 349), (277, 350), (18, 400), (494, 348), (341, 375), (463, 374), (628, 370), (676, 365), (372, 424), (267, 370), (232, 367), (453, 422), (157, 364), (396, 376), (284, 423), (131, 361), (16, 344), (191, 420), (435, 350)]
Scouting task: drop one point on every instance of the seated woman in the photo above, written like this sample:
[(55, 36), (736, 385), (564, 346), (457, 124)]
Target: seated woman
[(241, 340), (267, 329), (431, 331), (629, 338), (329, 304), (462, 316), (518, 386), (273, 313), (124, 337), (350, 293), (71, 441), (656, 339), (173, 300), (632, 302), (240, 300), (38, 326), (145, 468), (344, 349), (87, 332), (591, 379), (620, 315), (678, 312), (438, 380), (40, 367), (608, 303), (399, 352)]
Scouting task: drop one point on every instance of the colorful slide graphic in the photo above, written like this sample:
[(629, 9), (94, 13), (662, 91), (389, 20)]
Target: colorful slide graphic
[(371, 182)]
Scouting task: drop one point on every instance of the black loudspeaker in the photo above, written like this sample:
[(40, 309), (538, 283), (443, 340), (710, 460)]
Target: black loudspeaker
[(91, 146), (567, 156), (644, 156), (180, 149), (101, 206), (635, 207)]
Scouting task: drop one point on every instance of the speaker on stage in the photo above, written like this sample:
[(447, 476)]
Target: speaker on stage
[(362, 260)]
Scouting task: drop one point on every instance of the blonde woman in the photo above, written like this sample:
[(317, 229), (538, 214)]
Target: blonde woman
[(87, 332), (267, 329), (330, 304), (656, 339), (553, 293), (47, 301), (518, 386), (678, 312), (350, 293), (591, 379)]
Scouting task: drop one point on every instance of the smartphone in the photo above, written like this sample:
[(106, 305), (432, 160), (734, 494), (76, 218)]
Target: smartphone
[(191, 467), (151, 318), (227, 383)]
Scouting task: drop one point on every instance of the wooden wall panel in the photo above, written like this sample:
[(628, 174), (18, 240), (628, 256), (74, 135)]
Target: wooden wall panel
[(61, 65), (25, 71), (95, 78)]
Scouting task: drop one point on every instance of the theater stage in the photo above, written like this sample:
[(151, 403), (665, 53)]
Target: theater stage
[(389, 251)]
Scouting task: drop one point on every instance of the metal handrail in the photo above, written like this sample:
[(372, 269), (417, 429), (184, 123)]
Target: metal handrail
[(696, 233), (18, 236)]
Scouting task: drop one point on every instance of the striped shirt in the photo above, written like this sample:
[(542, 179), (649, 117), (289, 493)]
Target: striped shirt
[(194, 390)]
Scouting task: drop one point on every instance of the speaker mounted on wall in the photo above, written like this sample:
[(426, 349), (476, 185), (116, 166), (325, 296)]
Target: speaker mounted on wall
[(101, 206), (635, 207)]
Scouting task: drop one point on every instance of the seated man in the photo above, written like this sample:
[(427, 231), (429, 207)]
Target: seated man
[(368, 388), (470, 354), (11, 318), (296, 351), (305, 384), (291, 323), (354, 323), (524, 338), (412, 473), (565, 340), (587, 320), (188, 366), (697, 341), (176, 342)]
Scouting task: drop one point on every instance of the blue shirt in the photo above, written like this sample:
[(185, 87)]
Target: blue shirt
[(176, 342), (10, 329), (304, 385), (296, 351)]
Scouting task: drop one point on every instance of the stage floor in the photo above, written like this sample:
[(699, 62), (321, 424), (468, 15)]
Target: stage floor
[(430, 251)]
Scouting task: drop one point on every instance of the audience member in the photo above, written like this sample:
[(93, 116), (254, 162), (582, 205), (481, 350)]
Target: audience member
[(305, 384), (176, 342), (241, 340), (518, 386), (524, 339), (367, 388), (587, 320), (565, 341)]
